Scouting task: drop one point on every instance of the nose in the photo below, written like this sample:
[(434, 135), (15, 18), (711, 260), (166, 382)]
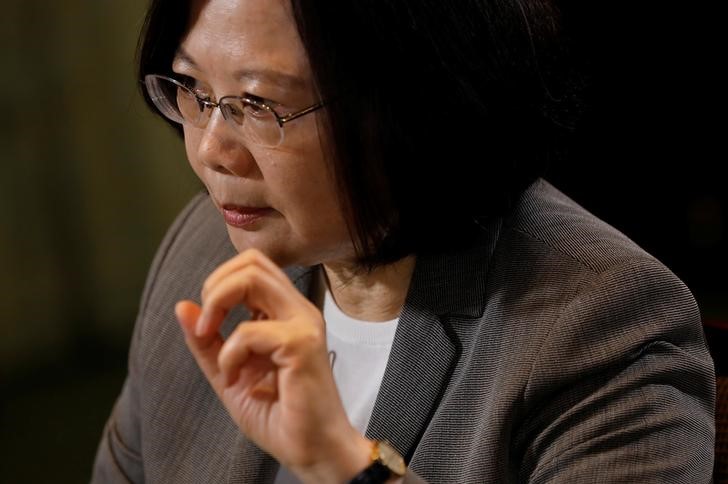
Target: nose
[(222, 150)]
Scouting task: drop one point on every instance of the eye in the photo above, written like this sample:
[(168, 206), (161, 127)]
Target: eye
[(195, 86), (255, 107), (254, 110), (232, 111)]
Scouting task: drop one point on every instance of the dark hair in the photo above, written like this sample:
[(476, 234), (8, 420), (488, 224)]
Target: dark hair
[(440, 112)]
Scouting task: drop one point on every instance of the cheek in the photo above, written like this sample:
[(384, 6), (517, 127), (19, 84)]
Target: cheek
[(192, 143), (306, 194), (318, 212)]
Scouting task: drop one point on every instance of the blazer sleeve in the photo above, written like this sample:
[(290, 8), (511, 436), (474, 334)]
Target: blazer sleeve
[(119, 455), (623, 387)]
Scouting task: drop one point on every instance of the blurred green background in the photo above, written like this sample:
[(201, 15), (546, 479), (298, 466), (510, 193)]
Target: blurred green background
[(91, 180)]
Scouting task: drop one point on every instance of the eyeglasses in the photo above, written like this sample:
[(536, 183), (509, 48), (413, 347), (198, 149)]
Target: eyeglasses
[(255, 119)]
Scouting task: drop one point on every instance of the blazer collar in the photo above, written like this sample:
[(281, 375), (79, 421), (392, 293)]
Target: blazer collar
[(426, 347), (454, 283)]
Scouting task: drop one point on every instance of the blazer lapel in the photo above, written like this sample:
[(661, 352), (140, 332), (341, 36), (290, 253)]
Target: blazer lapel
[(426, 347), (423, 356)]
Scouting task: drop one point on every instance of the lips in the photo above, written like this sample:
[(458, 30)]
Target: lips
[(243, 217)]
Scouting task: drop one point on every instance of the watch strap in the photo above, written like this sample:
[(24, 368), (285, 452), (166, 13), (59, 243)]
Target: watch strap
[(386, 462), (376, 473)]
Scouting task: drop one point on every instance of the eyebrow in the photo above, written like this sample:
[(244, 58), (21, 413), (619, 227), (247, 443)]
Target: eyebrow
[(268, 75)]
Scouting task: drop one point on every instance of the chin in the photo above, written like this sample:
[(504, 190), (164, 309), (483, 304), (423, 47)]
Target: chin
[(279, 248), (282, 256)]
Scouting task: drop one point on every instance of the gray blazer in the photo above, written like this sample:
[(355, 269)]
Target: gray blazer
[(554, 350)]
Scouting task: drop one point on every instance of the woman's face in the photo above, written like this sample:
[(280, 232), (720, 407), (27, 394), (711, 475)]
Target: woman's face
[(280, 200)]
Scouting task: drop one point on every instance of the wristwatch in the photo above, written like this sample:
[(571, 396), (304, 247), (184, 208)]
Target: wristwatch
[(386, 463)]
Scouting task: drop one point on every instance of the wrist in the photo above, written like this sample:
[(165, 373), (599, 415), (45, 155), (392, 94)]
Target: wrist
[(347, 458)]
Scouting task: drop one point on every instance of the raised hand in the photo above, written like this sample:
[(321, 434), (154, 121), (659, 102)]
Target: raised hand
[(272, 373)]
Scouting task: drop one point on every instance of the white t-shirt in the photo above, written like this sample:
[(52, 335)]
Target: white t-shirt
[(358, 351)]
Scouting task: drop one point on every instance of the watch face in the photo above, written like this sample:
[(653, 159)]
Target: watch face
[(391, 458)]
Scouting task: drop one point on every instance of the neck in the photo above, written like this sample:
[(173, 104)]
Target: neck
[(370, 296)]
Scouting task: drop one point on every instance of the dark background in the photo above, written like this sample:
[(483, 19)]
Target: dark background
[(91, 181), (647, 154)]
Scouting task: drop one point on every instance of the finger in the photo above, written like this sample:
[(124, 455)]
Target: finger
[(188, 315), (246, 258), (209, 324), (250, 347), (205, 349), (257, 290), (266, 387), (257, 378)]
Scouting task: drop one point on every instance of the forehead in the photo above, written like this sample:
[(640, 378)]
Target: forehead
[(227, 36)]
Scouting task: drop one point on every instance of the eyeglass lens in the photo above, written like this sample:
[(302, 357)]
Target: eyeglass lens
[(181, 105)]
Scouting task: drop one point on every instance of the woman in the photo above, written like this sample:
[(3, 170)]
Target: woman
[(441, 307)]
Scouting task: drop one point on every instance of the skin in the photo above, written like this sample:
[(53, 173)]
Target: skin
[(273, 375), (306, 225)]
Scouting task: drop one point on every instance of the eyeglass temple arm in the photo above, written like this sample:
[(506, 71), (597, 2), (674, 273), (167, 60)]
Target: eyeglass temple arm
[(290, 117)]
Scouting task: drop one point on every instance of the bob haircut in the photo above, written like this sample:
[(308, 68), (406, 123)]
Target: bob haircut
[(439, 112)]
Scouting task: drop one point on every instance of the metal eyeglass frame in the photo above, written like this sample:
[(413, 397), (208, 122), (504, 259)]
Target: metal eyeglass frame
[(281, 120)]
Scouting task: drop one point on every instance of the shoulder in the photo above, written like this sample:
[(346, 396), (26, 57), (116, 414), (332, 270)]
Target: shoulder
[(571, 340), (572, 272), (533, 263), (555, 250), (608, 335), (597, 300), (546, 218), (198, 226), (176, 405), (194, 245)]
